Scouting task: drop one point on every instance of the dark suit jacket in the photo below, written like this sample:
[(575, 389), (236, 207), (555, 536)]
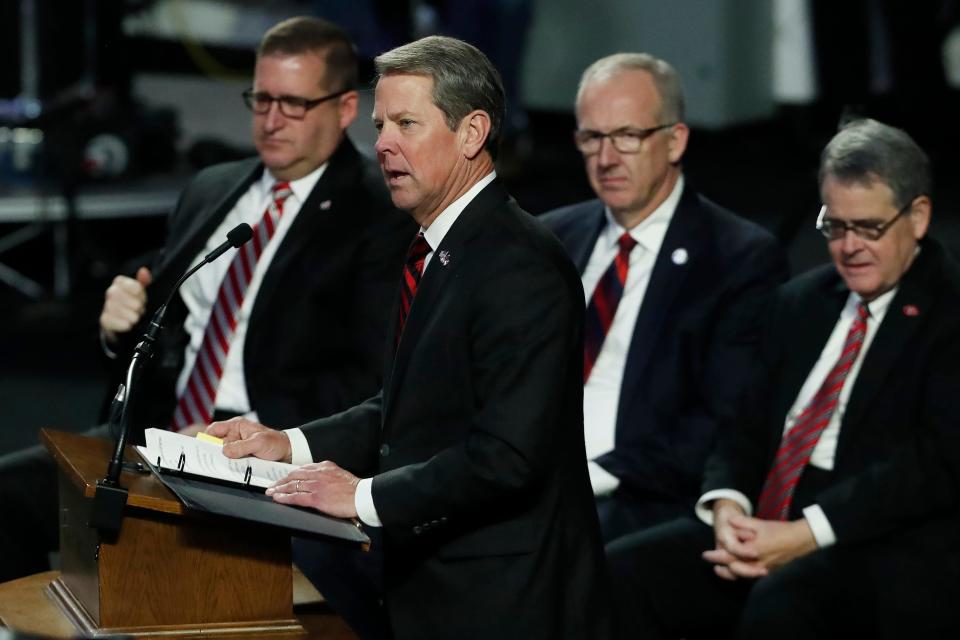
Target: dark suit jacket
[(317, 328), (476, 444), (898, 455), (694, 343)]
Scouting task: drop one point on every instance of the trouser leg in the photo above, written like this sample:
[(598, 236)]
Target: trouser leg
[(351, 581), (664, 589)]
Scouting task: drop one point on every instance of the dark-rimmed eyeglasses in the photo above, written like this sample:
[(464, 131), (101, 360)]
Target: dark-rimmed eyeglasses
[(624, 140), (834, 229), (294, 107)]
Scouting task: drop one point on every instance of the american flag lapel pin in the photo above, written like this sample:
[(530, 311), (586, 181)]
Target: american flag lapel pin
[(444, 257), (325, 205)]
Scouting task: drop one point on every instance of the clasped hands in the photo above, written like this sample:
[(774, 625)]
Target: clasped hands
[(749, 547), (323, 486)]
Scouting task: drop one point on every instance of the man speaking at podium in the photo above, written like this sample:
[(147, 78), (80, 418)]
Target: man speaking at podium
[(471, 458), (299, 330)]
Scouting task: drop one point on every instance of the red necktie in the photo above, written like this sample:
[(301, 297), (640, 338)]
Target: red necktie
[(195, 405), (603, 304), (800, 439), (412, 270)]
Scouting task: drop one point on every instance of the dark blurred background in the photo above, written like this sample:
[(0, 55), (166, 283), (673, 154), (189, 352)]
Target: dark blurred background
[(107, 106)]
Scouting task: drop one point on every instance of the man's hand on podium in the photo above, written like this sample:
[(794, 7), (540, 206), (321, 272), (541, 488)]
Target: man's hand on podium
[(323, 486), (243, 437)]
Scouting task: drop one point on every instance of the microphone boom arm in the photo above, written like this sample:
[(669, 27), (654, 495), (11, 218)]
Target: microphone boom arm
[(110, 497)]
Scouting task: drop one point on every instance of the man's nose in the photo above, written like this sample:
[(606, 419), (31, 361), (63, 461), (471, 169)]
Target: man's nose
[(273, 118), (851, 242), (385, 141), (607, 155)]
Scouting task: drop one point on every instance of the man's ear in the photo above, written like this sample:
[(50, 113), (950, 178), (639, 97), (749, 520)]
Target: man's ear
[(677, 144), (474, 130), (348, 108), (920, 216)]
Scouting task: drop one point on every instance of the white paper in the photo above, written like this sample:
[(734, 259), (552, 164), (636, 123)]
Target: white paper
[(206, 459)]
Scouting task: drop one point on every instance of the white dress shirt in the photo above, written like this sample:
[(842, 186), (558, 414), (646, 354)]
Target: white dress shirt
[(601, 393), (825, 450), (200, 291), (434, 234)]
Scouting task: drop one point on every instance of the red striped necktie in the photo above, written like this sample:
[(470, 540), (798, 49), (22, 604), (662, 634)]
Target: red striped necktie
[(412, 271), (195, 405), (604, 302), (799, 441)]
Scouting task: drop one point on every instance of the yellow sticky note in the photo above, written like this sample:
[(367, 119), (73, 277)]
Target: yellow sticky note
[(206, 437)]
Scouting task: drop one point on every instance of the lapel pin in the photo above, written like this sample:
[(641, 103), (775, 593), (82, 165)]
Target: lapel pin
[(444, 257), (911, 310), (325, 205), (679, 256)]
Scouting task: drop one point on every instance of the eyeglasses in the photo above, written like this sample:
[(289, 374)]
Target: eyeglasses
[(834, 229), (291, 106), (624, 140)]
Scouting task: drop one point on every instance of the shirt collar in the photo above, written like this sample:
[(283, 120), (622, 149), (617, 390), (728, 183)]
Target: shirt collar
[(435, 233), (301, 187), (649, 234), (876, 307)]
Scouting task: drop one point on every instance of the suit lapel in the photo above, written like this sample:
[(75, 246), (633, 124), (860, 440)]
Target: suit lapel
[(805, 332), (580, 244), (321, 210), (893, 336), (445, 262), (189, 243), (667, 280)]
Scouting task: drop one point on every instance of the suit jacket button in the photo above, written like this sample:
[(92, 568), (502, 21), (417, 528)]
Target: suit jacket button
[(384, 450)]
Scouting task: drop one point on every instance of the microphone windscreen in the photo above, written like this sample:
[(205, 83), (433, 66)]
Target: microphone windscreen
[(239, 234)]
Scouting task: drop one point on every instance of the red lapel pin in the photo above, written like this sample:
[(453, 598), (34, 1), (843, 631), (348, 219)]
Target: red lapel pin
[(910, 310)]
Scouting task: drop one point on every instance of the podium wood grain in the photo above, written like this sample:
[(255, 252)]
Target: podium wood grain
[(26, 607), (169, 572)]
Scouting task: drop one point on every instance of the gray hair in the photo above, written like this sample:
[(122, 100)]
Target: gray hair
[(865, 151), (665, 79), (464, 80)]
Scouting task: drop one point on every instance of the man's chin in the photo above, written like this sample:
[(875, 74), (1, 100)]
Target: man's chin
[(401, 199), (864, 285)]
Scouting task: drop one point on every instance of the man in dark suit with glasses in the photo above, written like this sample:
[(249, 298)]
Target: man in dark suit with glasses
[(674, 286), (288, 328), (830, 505)]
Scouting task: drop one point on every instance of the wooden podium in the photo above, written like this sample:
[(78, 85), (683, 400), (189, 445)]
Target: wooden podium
[(170, 572)]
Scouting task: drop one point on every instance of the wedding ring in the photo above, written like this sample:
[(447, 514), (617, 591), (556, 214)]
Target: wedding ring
[(298, 487)]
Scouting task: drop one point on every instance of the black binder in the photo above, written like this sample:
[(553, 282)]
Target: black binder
[(245, 502)]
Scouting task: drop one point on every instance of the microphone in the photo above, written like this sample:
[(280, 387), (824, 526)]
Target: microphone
[(235, 238), (110, 497)]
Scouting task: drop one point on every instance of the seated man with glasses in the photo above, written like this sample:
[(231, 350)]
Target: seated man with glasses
[(674, 288), (830, 504), (296, 328)]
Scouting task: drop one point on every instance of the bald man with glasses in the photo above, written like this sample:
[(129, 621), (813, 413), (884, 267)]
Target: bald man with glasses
[(674, 286), (831, 506), (305, 319)]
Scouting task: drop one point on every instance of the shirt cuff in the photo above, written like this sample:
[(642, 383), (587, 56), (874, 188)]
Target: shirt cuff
[(363, 501), (704, 506), (603, 482), (299, 448), (107, 351), (820, 526)]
